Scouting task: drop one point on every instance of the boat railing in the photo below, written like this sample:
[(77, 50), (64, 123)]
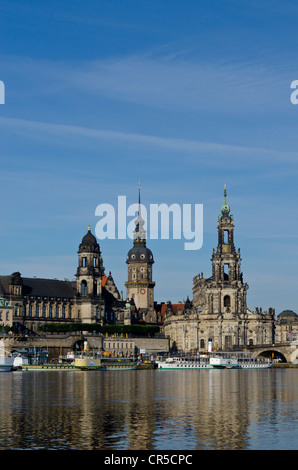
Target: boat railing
[(186, 359)]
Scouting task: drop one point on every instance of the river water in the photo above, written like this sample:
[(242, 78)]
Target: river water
[(149, 410)]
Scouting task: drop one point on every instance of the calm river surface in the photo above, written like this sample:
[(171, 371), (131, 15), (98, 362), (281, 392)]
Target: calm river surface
[(149, 410)]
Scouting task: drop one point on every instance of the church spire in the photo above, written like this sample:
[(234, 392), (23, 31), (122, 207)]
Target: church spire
[(140, 232), (225, 208)]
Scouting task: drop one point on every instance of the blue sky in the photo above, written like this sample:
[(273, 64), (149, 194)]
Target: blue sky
[(183, 96)]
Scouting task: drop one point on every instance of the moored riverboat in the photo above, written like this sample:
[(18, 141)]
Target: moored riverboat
[(215, 360), (182, 362), (86, 361), (48, 366), (89, 362), (238, 360)]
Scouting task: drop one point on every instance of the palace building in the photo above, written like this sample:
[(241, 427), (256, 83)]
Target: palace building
[(92, 298)]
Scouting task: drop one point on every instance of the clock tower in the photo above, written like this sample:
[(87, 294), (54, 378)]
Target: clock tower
[(140, 286)]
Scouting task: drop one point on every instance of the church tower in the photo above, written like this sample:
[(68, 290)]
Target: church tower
[(221, 298), (226, 269), (90, 270), (140, 286), (225, 261), (89, 279), (226, 293)]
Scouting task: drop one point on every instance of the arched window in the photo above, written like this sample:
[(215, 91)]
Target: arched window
[(202, 344), (227, 301), (83, 287)]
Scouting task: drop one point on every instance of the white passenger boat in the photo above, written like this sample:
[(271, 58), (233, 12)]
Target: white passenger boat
[(190, 363), (215, 360), (6, 360), (238, 360)]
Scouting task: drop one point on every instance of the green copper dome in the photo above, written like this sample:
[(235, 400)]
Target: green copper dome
[(225, 208)]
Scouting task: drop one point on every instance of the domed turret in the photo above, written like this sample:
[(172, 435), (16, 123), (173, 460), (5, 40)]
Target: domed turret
[(287, 315), (90, 269), (225, 208), (140, 253), (89, 242)]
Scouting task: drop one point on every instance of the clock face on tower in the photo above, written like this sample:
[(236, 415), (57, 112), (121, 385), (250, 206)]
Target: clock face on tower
[(142, 291)]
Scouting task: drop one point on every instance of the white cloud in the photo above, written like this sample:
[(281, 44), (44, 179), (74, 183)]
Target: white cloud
[(167, 81), (37, 129)]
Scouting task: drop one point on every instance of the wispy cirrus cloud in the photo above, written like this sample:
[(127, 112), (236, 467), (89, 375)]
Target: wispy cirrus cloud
[(37, 129), (164, 81)]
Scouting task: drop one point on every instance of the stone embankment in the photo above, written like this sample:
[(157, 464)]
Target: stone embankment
[(285, 365)]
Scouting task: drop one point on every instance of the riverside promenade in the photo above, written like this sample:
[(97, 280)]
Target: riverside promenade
[(61, 344)]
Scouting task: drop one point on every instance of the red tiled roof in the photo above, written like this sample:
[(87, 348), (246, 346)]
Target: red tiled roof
[(163, 309), (175, 308), (104, 280)]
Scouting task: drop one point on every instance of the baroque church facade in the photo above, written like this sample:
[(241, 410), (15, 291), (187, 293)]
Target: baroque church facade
[(218, 313)]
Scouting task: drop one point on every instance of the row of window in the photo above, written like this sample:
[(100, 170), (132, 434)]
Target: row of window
[(84, 288), (31, 297), (120, 345), (141, 276), (83, 262), (57, 311), (286, 336), (41, 311)]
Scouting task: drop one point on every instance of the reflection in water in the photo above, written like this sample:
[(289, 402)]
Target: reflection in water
[(205, 409)]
